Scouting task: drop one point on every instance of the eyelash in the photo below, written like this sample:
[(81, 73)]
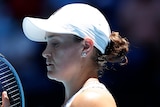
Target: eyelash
[(55, 45)]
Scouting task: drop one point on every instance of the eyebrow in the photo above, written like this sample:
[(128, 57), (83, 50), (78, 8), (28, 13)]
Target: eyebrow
[(49, 37)]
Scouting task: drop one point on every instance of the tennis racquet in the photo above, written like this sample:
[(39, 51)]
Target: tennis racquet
[(10, 82)]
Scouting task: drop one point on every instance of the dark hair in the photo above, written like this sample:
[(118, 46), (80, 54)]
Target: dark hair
[(115, 52)]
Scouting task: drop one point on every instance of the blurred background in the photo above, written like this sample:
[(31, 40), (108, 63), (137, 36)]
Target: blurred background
[(134, 85)]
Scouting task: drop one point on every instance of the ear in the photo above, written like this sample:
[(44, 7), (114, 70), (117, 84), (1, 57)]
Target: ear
[(88, 45)]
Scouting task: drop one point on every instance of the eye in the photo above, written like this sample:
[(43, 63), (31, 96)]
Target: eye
[(55, 44)]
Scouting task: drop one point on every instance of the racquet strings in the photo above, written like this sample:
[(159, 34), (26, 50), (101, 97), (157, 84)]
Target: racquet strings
[(9, 83)]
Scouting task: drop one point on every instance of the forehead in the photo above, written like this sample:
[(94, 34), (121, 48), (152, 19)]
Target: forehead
[(50, 36)]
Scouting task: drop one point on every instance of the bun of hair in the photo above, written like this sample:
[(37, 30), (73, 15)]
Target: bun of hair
[(117, 49)]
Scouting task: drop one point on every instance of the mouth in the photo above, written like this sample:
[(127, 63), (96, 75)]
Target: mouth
[(49, 64)]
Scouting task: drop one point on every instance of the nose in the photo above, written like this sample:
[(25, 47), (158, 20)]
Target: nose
[(46, 53)]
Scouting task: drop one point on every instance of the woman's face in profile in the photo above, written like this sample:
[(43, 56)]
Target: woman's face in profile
[(62, 55)]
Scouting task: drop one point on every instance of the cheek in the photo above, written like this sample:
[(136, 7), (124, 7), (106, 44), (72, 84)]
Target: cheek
[(67, 58)]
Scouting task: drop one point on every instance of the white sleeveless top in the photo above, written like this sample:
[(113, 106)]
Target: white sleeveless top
[(91, 85)]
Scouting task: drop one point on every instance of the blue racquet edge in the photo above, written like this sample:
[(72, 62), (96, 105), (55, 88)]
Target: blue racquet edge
[(10, 82)]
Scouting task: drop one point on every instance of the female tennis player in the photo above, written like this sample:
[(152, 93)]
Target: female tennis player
[(79, 46)]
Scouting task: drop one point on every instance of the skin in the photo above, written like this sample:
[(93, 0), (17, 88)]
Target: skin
[(65, 64), (5, 99), (94, 97)]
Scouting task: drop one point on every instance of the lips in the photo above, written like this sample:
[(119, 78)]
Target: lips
[(49, 63), (50, 66)]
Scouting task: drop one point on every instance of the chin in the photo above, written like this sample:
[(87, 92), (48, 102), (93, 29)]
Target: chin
[(52, 76)]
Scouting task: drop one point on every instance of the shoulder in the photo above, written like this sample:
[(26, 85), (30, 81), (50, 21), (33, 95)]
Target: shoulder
[(94, 97)]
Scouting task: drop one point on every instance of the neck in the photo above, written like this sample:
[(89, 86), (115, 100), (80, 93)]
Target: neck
[(71, 88), (76, 82)]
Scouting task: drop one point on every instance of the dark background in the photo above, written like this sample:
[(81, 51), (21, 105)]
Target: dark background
[(134, 85)]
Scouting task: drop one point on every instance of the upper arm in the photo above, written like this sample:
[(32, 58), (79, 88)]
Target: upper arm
[(94, 99)]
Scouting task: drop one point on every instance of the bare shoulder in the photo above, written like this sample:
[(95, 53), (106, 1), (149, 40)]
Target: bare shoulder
[(94, 97)]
